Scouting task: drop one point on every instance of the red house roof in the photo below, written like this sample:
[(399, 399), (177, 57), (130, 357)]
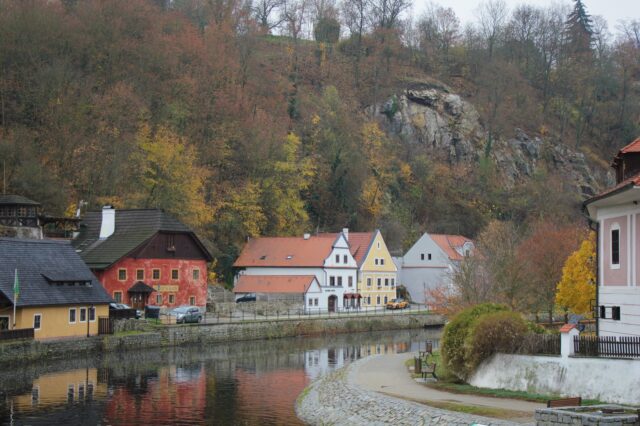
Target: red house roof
[(273, 283), (285, 252), (449, 243)]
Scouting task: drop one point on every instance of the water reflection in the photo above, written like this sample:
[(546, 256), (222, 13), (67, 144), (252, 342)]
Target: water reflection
[(245, 383)]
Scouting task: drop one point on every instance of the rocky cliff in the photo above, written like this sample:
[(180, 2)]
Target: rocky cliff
[(450, 129)]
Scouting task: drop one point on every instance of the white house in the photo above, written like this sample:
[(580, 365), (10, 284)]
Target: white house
[(429, 263), (617, 214), (325, 257)]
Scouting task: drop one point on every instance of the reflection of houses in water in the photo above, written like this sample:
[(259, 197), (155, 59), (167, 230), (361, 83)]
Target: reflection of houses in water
[(174, 395), (75, 386)]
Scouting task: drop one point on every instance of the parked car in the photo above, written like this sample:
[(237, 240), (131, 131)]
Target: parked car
[(246, 298), (123, 306), (398, 303), (185, 314)]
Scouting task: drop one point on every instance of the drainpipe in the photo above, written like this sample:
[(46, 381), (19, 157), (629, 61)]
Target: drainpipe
[(595, 226)]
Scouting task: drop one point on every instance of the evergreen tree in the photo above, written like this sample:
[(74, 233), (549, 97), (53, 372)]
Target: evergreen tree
[(579, 30)]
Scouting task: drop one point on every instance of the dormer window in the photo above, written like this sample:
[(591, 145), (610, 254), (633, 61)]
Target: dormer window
[(263, 257)]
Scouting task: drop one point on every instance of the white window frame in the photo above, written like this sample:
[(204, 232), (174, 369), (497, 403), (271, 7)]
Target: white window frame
[(115, 298), (126, 275), (138, 278), (86, 314), (614, 227), (34, 321), (75, 316), (194, 300), (196, 271), (91, 309)]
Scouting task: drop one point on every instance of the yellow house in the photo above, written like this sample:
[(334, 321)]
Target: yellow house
[(377, 274), (54, 292)]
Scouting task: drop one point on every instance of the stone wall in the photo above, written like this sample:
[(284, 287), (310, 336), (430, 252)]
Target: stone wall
[(21, 352), (591, 416), (605, 379)]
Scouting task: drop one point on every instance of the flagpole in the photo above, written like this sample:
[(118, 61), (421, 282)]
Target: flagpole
[(15, 297)]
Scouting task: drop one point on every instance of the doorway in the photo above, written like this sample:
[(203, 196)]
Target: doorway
[(4, 323), (332, 303)]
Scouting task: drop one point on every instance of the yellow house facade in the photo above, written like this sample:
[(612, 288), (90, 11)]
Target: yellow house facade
[(53, 291), (377, 274)]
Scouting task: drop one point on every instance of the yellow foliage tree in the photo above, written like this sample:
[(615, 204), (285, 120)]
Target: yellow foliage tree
[(577, 287)]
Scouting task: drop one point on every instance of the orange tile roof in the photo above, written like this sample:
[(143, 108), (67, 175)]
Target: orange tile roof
[(285, 251), (449, 243), (567, 328), (629, 182), (359, 243), (273, 283), (632, 147)]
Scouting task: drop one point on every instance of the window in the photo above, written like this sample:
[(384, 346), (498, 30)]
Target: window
[(429, 256), (139, 274), (158, 299), (196, 274), (368, 282), (72, 315), (393, 282), (385, 300), (421, 256), (122, 274), (378, 244), (386, 282), (379, 282), (339, 281), (174, 274), (192, 300), (368, 300), (345, 259), (117, 296), (172, 299), (615, 246), (615, 313), (155, 274), (70, 393), (35, 395), (337, 258), (332, 281), (382, 261), (83, 314), (375, 261), (603, 312), (350, 281), (378, 300), (317, 301), (92, 314), (37, 319)]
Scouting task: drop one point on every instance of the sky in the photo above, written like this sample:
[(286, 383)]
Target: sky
[(611, 10)]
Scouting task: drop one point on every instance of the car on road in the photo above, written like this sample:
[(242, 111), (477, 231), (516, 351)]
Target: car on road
[(185, 314), (398, 303), (247, 298)]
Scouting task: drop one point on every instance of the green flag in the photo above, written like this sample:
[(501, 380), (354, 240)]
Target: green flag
[(16, 287)]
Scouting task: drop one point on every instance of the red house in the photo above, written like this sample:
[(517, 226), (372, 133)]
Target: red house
[(144, 257)]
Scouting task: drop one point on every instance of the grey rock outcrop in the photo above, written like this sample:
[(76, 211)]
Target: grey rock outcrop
[(449, 128)]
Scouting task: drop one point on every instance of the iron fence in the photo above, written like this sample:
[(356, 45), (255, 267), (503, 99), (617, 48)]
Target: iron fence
[(609, 346), (20, 333)]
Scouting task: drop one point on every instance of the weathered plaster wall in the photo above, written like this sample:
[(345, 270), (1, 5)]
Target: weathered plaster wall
[(605, 379)]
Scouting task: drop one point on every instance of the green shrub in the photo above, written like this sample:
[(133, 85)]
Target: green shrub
[(456, 333), (497, 332)]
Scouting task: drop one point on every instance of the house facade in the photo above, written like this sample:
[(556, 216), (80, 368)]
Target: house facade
[(145, 257), (326, 258), (57, 295), (617, 214), (377, 274), (429, 263)]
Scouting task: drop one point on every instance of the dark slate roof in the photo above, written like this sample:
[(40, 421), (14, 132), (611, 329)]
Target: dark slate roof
[(132, 228), (17, 199), (140, 287), (36, 259)]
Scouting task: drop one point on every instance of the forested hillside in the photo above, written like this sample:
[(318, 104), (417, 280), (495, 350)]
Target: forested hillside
[(276, 117)]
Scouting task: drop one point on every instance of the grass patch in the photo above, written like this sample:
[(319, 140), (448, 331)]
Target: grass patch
[(303, 395), (496, 413)]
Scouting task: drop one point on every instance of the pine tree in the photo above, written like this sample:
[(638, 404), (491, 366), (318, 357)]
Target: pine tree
[(579, 30)]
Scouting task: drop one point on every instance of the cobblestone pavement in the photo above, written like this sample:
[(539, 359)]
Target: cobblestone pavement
[(335, 399)]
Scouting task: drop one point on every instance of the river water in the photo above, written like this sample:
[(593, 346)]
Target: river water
[(240, 383)]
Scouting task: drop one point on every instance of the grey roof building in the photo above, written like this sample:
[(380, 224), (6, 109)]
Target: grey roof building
[(50, 273)]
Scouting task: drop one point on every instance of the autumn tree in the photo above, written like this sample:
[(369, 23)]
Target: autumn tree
[(577, 288)]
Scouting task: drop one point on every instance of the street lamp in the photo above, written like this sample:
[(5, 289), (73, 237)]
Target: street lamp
[(91, 308)]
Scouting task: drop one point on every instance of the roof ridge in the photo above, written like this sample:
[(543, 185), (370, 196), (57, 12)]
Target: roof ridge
[(32, 241)]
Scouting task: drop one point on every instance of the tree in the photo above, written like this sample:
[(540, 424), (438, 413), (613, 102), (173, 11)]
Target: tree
[(579, 30), (264, 10), (577, 288), (492, 17)]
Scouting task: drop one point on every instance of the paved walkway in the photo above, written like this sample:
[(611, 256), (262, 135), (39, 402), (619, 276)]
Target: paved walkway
[(388, 374)]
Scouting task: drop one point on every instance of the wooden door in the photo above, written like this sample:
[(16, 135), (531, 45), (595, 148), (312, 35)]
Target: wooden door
[(332, 303)]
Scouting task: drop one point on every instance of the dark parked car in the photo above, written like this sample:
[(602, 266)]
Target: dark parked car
[(122, 310), (246, 299), (185, 314)]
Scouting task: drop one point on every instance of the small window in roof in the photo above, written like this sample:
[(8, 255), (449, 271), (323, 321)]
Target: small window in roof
[(263, 257)]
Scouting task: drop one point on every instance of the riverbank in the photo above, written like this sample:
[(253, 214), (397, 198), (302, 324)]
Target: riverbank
[(23, 352), (339, 399)]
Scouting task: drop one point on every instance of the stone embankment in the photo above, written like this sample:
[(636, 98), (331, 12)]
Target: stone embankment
[(21, 352), (336, 399)]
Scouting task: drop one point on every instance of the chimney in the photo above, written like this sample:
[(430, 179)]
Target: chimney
[(108, 226), (345, 232), (307, 236)]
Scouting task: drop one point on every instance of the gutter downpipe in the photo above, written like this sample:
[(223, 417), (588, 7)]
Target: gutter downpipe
[(595, 226)]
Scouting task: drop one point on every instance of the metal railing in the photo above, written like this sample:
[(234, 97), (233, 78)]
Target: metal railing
[(609, 346), (20, 333)]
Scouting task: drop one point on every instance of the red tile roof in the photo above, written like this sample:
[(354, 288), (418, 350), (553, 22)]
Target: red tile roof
[(273, 283), (632, 147), (285, 251), (449, 243), (567, 328), (359, 243), (632, 181)]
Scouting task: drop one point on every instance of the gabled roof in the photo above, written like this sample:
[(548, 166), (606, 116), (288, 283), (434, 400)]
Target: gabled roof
[(285, 252), (625, 184), (633, 147), (140, 287), (273, 283), (132, 228), (449, 243), (36, 260), (359, 245), (17, 199)]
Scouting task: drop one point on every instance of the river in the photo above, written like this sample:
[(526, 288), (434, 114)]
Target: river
[(240, 383)]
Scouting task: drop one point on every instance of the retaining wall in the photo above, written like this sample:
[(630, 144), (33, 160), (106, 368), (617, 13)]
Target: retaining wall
[(21, 352)]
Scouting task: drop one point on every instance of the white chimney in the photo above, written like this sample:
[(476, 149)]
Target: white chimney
[(345, 232), (108, 226), (307, 236)]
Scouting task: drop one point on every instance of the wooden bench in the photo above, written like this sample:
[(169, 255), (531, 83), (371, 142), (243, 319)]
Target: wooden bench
[(428, 349), (565, 402), (429, 369)]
